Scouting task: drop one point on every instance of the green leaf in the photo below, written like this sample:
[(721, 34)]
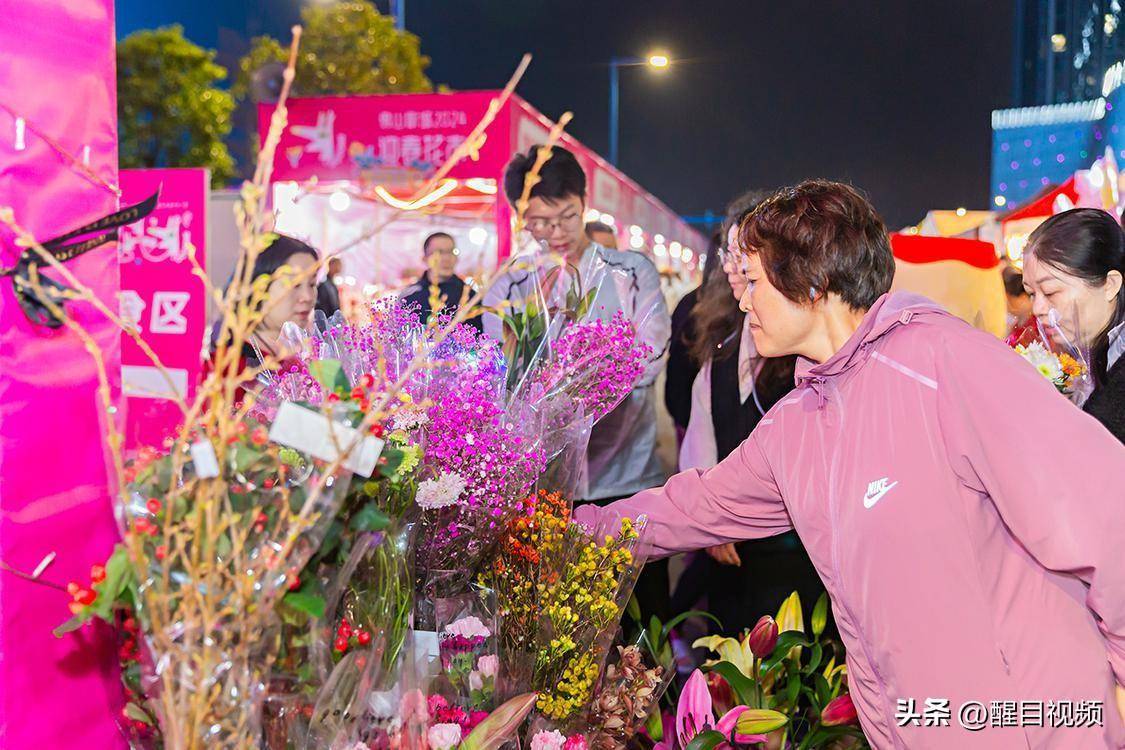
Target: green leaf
[(742, 686), (820, 615), (823, 690), (793, 689), (305, 673), (814, 659), (222, 546), (330, 374), (393, 460), (584, 305), (654, 725), (297, 497), (118, 576), (74, 623), (515, 324), (822, 736), (671, 624), (245, 456), (331, 541), (370, 518), (136, 713), (785, 642), (706, 740), (653, 633), (311, 604), (633, 609)]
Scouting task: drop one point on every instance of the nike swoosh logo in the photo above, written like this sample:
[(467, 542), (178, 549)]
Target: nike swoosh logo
[(870, 500)]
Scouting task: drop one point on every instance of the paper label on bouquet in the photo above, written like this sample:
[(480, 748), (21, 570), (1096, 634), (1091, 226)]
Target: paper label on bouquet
[(204, 460), (426, 645), (313, 433)]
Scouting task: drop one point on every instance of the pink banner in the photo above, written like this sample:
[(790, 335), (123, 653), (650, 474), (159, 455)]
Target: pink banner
[(375, 137), (58, 166), (163, 297)]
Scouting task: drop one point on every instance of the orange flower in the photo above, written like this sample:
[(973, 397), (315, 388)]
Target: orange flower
[(1071, 367)]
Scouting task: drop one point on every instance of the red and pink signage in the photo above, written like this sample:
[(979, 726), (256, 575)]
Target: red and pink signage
[(346, 137), (163, 297), (376, 138)]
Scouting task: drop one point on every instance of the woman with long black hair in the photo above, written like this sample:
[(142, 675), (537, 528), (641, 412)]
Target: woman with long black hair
[(1073, 268)]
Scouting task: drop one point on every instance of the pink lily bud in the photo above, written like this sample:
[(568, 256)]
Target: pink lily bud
[(840, 710), (763, 638)]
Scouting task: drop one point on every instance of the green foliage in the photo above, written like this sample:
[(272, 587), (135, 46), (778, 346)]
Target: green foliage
[(170, 112), (346, 48)]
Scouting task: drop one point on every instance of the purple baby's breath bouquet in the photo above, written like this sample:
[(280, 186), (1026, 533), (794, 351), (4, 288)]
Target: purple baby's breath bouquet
[(594, 362), (482, 462)]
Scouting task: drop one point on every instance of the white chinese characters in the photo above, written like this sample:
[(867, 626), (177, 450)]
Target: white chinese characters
[(976, 715)]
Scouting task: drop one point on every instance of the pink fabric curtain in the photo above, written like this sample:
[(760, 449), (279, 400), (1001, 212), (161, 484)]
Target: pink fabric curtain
[(56, 80)]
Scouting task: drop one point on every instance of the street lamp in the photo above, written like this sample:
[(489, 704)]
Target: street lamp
[(655, 61)]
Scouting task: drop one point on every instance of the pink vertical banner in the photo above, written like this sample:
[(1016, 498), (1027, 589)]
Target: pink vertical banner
[(163, 297), (58, 171)]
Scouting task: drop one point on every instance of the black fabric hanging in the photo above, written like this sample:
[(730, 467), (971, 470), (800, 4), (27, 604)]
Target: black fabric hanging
[(34, 290)]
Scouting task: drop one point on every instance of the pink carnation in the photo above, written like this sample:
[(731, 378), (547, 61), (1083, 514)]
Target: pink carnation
[(468, 627), (544, 740), (489, 665), (444, 736)]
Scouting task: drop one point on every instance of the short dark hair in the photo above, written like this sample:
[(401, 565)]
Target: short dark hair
[(435, 236), (279, 252), (822, 236), (599, 226), (1086, 243), (560, 177)]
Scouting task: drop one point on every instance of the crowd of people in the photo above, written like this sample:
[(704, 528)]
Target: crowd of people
[(833, 435)]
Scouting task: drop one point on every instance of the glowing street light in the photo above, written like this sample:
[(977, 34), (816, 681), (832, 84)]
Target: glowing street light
[(657, 61)]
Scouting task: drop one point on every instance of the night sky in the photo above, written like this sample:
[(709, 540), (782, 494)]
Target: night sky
[(891, 95)]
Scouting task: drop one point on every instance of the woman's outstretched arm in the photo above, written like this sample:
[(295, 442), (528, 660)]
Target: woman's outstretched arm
[(736, 500)]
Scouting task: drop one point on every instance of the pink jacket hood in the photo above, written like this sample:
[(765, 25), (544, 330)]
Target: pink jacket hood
[(889, 311), (966, 520)]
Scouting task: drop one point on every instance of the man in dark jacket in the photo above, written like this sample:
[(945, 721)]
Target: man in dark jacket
[(440, 253), (327, 293)]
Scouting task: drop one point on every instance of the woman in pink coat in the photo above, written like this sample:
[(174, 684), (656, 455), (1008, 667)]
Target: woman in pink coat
[(966, 519)]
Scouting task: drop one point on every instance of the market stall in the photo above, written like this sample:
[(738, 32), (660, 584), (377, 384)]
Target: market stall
[(348, 172), (963, 275)]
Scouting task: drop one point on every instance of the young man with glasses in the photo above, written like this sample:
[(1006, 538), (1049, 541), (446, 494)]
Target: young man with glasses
[(440, 253), (621, 458)]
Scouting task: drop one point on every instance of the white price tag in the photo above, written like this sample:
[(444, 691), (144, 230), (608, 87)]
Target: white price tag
[(426, 646), (314, 433), (203, 457)]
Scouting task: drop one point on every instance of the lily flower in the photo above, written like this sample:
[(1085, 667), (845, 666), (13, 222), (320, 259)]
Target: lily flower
[(737, 652), (694, 715)]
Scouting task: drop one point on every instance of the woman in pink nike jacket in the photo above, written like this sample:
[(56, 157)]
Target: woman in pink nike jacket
[(968, 522)]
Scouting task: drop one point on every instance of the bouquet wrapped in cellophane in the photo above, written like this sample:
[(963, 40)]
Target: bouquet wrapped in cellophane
[(482, 451), (216, 531), (1056, 347)]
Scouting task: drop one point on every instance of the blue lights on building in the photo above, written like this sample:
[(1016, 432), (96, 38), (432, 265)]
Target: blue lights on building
[(1034, 147)]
